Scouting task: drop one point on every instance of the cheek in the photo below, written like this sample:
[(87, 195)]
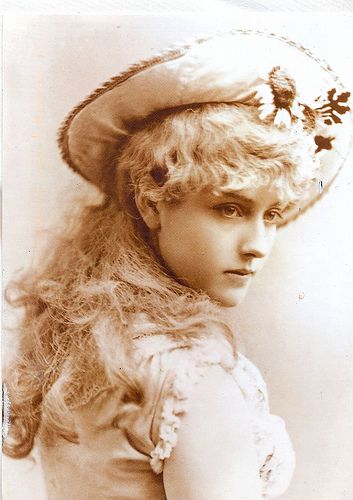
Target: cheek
[(187, 248), (174, 246)]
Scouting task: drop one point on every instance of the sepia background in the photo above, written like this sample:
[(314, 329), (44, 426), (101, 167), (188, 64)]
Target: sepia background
[(296, 323)]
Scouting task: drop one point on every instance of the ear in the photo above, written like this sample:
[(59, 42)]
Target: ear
[(148, 211)]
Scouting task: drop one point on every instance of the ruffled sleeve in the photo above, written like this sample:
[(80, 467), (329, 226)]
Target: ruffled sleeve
[(182, 367)]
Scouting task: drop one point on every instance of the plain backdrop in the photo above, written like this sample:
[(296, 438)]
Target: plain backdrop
[(296, 323)]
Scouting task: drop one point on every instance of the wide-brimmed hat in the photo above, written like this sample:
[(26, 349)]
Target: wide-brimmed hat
[(287, 83)]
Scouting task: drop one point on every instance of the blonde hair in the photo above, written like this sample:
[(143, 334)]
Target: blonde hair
[(213, 145), (80, 304)]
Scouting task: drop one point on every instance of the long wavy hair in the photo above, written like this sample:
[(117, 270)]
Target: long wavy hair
[(80, 305)]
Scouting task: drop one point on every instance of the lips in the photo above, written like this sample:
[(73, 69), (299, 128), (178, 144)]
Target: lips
[(239, 277), (241, 272)]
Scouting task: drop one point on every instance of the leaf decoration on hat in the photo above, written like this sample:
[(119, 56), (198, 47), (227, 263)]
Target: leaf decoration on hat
[(333, 106), (323, 143)]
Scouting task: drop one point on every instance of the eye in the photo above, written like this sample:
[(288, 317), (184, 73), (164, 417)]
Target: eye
[(230, 210), (273, 216)]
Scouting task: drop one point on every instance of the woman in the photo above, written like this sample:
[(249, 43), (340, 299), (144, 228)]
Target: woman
[(128, 366)]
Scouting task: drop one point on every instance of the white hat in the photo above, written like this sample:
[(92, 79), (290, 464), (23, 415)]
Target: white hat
[(282, 78)]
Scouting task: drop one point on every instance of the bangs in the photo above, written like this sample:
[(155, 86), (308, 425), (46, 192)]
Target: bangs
[(217, 145)]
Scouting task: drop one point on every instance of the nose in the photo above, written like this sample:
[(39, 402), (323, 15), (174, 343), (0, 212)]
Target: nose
[(257, 239)]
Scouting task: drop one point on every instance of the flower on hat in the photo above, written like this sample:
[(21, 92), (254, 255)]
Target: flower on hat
[(278, 97)]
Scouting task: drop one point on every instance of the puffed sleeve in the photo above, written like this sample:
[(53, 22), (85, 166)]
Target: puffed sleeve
[(172, 370)]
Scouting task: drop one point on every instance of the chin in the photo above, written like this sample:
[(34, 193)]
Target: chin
[(229, 299)]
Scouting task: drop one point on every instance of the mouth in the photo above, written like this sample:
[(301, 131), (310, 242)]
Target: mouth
[(240, 272), (239, 277)]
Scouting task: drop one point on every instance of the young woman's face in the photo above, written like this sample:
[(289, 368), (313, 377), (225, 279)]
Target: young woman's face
[(217, 242)]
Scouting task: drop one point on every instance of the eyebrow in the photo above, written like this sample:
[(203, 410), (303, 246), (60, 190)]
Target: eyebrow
[(249, 202), (235, 194)]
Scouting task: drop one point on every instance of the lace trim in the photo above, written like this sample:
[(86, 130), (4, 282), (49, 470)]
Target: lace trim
[(275, 454), (277, 468), (175, 405)]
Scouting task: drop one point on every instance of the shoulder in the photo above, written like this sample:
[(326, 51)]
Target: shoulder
[(216, 409)]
